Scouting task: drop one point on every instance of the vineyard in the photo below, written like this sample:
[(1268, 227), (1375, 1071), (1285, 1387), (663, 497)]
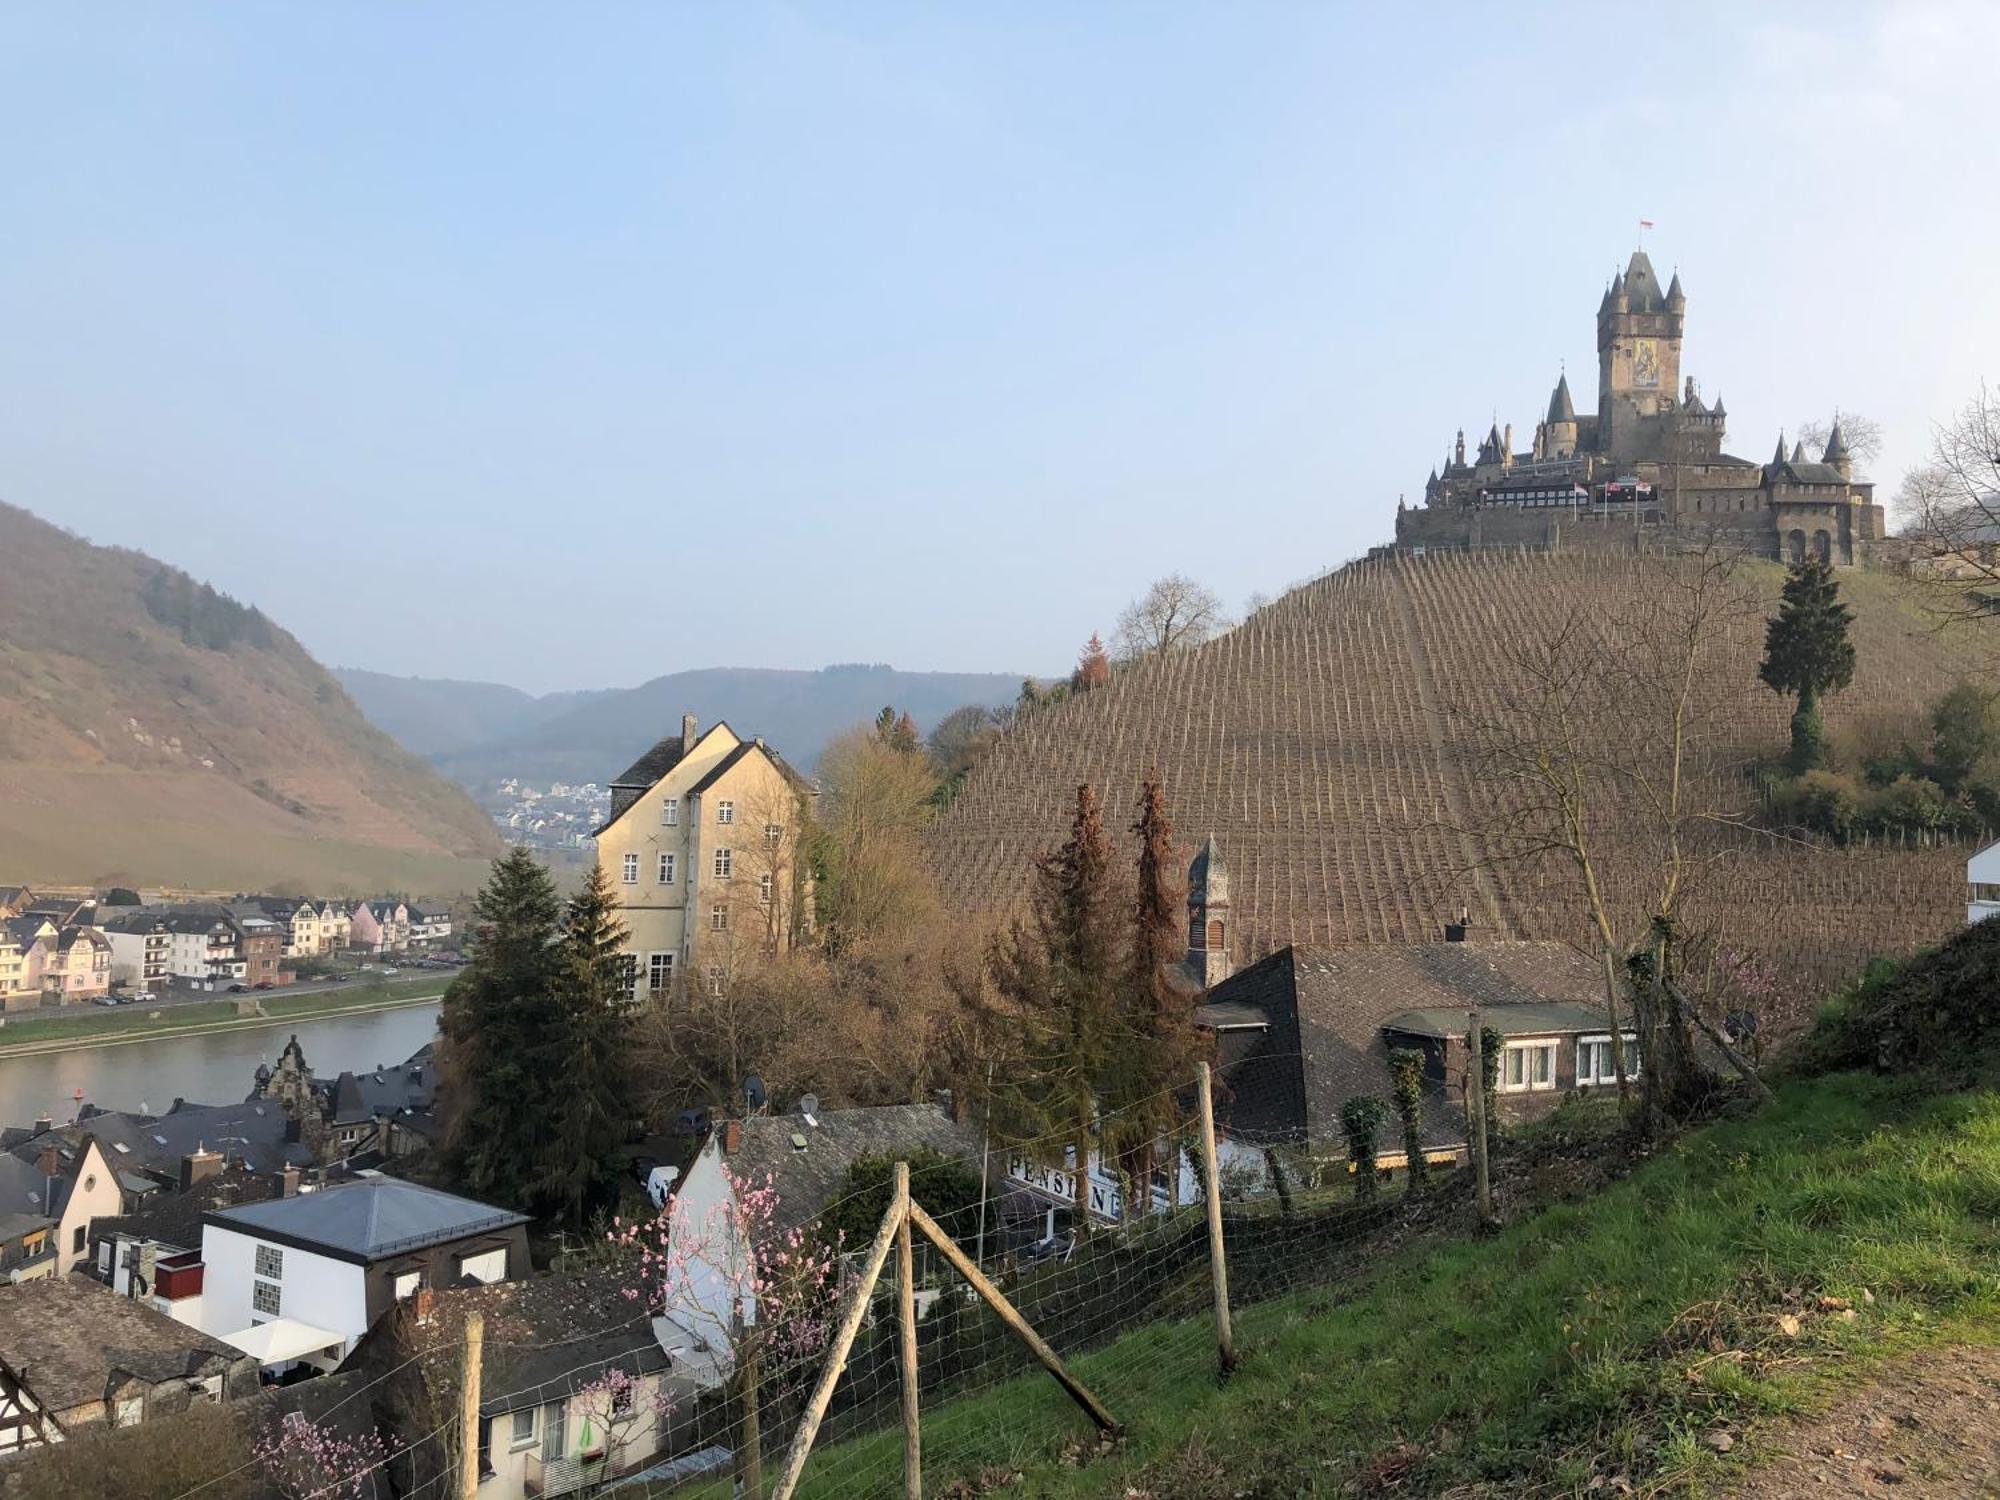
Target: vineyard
[(1331, 744)]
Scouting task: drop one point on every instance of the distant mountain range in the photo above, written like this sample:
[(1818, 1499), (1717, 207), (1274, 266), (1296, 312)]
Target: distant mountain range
[(479, 732), (156, 732)]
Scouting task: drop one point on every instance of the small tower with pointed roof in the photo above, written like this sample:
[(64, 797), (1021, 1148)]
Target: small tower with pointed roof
[(1561, 429), (1208, 917), (1638, 358), (1836, 451)]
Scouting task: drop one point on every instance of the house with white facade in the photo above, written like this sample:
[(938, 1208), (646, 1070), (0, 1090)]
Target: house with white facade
[(326, 1264), (1982, 875)]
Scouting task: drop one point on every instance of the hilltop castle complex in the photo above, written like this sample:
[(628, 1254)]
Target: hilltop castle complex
[(1646, 457)]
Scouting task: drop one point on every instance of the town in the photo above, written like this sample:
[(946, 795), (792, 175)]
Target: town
[(826, 752)]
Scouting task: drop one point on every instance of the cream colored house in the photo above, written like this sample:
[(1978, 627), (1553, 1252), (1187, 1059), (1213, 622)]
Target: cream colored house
[(703, 848)]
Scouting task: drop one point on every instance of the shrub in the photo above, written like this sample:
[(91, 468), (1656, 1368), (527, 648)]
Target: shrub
[(1934, 1009), (1823, 801), (1360, 1121)]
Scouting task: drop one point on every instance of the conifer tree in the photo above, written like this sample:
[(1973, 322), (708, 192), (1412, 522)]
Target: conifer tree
[(1093, 666), (497, 1024), (1158, 1043), (587, 1083), (1058, 976), (1807, 653)]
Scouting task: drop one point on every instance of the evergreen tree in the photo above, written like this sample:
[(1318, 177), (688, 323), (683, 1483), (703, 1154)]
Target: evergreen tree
[(1158, 1043), (1807, 653), (497, 1022), (1059, 976), (1093, 666), (587, 1084)]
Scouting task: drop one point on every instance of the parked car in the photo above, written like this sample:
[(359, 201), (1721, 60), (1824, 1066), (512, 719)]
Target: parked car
[(238, 989), (104, 1000), (265, 984)]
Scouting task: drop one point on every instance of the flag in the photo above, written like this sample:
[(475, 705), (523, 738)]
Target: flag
[(1645, 223)]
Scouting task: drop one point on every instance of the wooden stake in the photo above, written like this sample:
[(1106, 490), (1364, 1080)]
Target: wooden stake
[(1225, 1338), (991, 1294), (1475, 1114), (468, 1410), (843, 1342), (749, 1437), (906, 1317)]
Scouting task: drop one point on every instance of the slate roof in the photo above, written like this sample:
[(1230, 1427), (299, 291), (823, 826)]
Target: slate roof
[(175, 1218), (1561, 407), (806, 1179), (254, 1132), (76, 1338), (367, 1221), (735, 757), (655, 763), (1508, 1020), (24, 1188), (1327, 1010), (14, 1225)]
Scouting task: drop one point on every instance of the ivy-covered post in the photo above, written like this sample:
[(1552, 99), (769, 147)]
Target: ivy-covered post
[(1476, 1095), (1360, 1121), (1406, 1071)]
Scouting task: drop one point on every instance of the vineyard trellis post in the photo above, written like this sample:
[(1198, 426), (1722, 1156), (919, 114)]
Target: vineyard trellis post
[(906, 1318), (903, 1215), (1225, 1338), (468, 1411)]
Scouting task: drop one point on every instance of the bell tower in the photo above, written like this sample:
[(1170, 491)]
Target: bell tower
[(1208, 917), (1639, 330)]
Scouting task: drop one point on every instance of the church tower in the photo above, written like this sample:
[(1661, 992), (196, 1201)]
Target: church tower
[(1208, 917), (1639, 330)]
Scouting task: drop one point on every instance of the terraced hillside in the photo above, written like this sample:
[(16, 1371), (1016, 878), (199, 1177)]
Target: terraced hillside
[(1328, 742), (154, 732)]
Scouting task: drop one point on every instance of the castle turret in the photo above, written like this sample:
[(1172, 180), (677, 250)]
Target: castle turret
[(1676, 299), (1458, 453), (1798, 452), (1778, 458), (1561, 425), (1208, 917), (1836, 452)]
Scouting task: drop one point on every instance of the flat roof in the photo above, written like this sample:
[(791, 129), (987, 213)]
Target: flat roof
[(366, 1221)]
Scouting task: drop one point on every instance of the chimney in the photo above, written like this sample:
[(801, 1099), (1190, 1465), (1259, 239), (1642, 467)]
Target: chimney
[(288, 1182), (688, 734), (732, 1136), (425, 1302), (50, 1162), (43, 1123), (201, 1163)]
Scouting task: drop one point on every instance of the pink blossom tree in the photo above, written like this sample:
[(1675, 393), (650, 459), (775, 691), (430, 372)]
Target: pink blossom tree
[(306, 1460)]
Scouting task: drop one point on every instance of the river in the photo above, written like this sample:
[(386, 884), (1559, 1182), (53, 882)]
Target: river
[(215, 1069)]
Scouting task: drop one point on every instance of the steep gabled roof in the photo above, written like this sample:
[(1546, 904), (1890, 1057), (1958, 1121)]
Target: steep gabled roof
[(655, 763), (806, 1177), (736, 757)]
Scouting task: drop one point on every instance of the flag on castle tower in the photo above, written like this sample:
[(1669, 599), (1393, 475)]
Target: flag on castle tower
[(1645, 223)]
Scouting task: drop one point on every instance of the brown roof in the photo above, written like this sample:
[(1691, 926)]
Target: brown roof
[(75, 1341)]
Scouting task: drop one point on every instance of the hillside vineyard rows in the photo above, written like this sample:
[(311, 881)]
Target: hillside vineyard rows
[(1328, 741)]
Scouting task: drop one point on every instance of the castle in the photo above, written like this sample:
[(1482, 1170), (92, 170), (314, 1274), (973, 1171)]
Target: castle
[(1644, 459)]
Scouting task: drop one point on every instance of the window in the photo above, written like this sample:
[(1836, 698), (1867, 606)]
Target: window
[(264, 1298), (774, 833), (1593, 1059), (670, 812), (555, 1431), (523, 1435), (407, 1284), (80, 1240), (131, 1411), (725, 812), (631, 869), (1528, 1065), (208, 1388), (659, 971), (764, 889), (725, 863), (718, 919), (270, 1262), (621, 1398), (487, 1267), (1985, 890), (715, 979), (666, 869)]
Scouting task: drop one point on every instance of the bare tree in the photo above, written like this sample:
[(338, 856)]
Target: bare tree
[(1862, 436), (1176, 612), (1951, 505)]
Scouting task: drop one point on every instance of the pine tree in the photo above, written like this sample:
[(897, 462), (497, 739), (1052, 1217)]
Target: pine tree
[(497, 1025), (1158, 1043), (1093, 666), (1807, 653), (1058, 975), (587, 1082)]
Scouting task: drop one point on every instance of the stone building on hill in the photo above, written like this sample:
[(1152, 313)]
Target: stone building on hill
[(1650, 455)]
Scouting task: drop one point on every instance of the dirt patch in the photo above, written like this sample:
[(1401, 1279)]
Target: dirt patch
[(1926, 1429)]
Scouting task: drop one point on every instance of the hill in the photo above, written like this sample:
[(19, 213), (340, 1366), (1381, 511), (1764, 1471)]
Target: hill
[(1322, 743), (796, 711), (157, 732), (437, 715)]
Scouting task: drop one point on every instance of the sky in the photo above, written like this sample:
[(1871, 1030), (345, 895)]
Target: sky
[(568, 345)]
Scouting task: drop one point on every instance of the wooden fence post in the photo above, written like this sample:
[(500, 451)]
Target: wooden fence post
[(1475, 1113), (468, 1408), (843, 1341), (906, 1318), (1225, 1338)]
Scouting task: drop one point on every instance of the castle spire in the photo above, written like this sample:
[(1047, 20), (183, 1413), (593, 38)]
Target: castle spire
[(1836, 451), (1676, 298), (1778, 458), (1561, 408), (1799, 452)]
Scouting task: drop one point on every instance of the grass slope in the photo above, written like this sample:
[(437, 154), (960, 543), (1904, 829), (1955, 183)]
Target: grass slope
[(1605, 1337)]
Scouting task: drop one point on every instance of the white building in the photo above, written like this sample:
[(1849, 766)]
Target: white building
[(1982, 874), (327, 1264)]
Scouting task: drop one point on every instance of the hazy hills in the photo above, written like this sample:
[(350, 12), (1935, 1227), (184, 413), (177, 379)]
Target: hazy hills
[(154, 731), (479, 732)]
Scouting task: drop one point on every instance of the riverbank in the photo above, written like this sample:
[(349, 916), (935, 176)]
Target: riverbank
[(30, 1034)]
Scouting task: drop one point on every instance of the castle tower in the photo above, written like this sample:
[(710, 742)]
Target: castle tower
[(1639, 330), (1560, 429), (1208, 917), (1836, 452)]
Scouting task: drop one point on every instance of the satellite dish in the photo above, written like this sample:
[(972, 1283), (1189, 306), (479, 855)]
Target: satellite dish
[(809, 1106), (753, 1092)]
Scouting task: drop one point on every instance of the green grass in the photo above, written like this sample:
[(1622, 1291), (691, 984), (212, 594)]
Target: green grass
[(1598, 1337), (95, 1023)]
